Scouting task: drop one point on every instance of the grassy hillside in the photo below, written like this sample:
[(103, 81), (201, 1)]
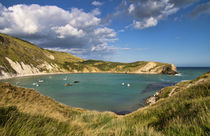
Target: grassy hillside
[(117, 67), (182, 109), (22, 51), (26, 56)]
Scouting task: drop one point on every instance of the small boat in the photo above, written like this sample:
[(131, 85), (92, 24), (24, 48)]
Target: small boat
[(34, 83), (76, 82), (128, 85), (65, 78), (67, 84), (37, 85), (123, 83), (40, 81)]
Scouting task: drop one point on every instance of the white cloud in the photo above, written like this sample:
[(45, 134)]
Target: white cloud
[(96, 12), (105, 32), (146, 23), (93, 51), (131, 8), (97, 3), (53, 27), (96, 52), (147, 13), (68, 30)]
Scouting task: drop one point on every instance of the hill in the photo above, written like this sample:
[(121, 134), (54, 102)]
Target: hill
[(19, 58), (182, 109)]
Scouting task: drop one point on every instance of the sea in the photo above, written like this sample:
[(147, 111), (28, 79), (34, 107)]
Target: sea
[(119, 93)]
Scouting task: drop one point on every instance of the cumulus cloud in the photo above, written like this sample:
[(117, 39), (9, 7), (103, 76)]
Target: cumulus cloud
[(201, 9), (147, 13), (97, 3), (56, 28), (148, 22), (93, 52), (68, 30)]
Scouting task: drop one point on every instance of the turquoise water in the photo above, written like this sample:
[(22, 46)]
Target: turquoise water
[(104, 92)]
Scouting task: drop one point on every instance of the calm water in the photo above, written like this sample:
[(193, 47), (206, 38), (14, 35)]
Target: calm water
[(104, 92)]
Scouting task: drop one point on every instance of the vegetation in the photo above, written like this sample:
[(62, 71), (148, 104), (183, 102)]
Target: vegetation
[(107, 66), (182, 109), (22, 51)]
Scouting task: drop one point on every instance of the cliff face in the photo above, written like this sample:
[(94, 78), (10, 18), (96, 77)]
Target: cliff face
[(19, 58)]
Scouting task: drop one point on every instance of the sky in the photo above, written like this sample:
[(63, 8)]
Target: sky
[(170, 31)]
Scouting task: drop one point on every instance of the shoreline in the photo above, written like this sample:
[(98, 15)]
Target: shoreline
[(119, 113), (57, 73)]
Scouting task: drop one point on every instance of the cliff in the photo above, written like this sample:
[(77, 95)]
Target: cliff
[(168, 92), (182, 109), (20, 58)]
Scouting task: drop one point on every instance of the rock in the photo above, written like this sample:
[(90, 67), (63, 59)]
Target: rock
[(22, 68), (151, 100), (170, 70), (148, 67)]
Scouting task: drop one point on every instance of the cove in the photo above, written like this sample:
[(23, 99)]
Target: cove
[(104, 92)]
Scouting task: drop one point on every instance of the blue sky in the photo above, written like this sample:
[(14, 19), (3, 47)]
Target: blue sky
[(169, 31)]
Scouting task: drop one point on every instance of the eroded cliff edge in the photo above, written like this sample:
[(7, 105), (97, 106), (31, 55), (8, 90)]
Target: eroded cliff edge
[(21, 58)]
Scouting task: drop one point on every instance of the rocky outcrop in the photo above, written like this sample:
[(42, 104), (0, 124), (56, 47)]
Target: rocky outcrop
[(151, 100), (153, 68), (22, 69), (172, 90), (147, 68)]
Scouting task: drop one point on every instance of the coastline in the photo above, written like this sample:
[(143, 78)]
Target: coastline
[(148, 101), (119, 114), (57, 73), (29, 102)]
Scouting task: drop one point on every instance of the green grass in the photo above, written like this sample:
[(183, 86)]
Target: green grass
[(15, 123), (182, 109), (185, 113), (107, 66), (22, 51)]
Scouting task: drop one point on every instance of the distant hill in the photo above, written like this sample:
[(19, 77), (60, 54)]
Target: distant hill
[(19, 57), (179, 110)]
